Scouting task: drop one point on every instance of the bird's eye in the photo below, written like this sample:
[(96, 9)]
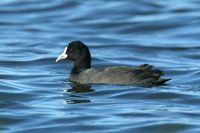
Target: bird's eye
[(71, 50)]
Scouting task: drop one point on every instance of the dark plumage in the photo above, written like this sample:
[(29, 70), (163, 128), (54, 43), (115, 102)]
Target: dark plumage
[(144, 75)]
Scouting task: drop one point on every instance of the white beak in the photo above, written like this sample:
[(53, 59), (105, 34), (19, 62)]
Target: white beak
[(62, 56)]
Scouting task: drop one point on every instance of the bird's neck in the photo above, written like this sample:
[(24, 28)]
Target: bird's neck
[(81, 65)]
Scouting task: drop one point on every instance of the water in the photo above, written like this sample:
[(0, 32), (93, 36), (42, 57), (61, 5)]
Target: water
[(36, 96)]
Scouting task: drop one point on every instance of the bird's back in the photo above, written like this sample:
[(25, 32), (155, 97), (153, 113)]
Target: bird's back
[(144, 75)]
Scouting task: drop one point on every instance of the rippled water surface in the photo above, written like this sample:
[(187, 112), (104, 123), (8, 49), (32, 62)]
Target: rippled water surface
[(36, 96)]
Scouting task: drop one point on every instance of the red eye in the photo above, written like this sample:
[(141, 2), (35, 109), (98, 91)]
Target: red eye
[(71, 50)]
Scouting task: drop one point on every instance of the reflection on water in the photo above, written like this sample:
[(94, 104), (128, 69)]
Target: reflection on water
[(75, 90), (33, 87), (80, 88)]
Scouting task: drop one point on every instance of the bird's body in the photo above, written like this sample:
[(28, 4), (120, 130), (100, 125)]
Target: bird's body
[(144, 75)]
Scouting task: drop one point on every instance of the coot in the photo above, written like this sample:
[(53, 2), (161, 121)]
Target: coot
[(78, 52)]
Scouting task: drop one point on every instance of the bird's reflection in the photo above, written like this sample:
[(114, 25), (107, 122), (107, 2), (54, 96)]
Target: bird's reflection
[(76, 93), (80, 88)]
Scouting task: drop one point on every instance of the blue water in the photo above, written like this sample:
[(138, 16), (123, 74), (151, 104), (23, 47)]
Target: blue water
[(36, 96)]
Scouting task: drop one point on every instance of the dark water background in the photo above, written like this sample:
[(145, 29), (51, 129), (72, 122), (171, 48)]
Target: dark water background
[(35, 96)]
